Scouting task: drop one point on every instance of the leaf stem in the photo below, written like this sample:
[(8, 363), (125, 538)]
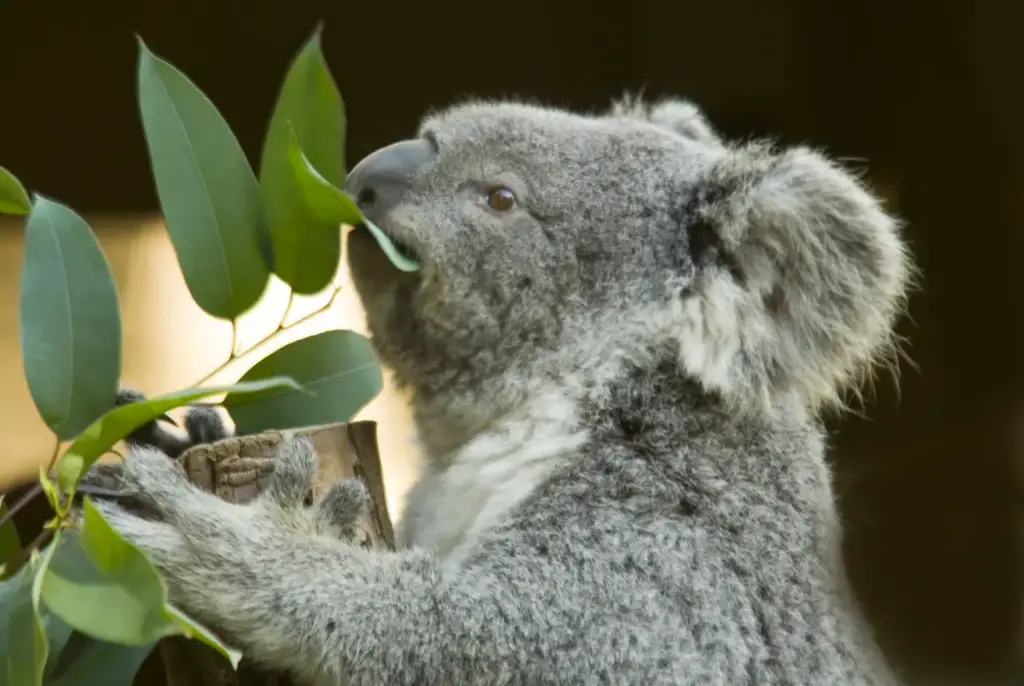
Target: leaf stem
[(56, 454), (287, 311), (234, 339), (280, 329)]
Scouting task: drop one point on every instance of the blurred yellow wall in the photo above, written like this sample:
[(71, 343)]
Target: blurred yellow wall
[(169, 343)]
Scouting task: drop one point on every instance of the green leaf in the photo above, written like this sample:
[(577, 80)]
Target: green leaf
[(23, 641), (106, 588), (120, 421), (337, 370), (306, 247), (49, 490), (319, 195), (333, 206), (208, 192), (190, 628), (70, 321), (10, 543), (69, 469), (58, 635), (13, 197), (100, 662)]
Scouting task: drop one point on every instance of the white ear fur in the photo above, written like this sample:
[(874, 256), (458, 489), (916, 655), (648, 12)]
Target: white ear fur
[(807, 277)]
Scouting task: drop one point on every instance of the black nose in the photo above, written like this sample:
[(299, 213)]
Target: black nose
[(378, 182)]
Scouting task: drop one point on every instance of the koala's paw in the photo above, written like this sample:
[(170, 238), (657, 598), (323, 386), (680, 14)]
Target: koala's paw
[(211, 552), (203, 424), (289, 495), (341, 508), (294, 471)]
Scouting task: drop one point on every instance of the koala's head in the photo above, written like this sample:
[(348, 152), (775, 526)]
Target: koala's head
[(550, 241)]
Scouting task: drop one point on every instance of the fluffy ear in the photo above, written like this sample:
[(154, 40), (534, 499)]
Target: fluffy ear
[(800, 274), (675, 114)]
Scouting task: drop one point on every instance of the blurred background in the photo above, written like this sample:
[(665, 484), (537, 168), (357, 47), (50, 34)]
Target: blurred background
[(923, 96)]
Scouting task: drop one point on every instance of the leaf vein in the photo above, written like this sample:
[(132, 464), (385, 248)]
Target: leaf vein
[(206, 187)]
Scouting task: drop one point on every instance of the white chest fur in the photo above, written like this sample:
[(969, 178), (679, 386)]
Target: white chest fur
[(452, 504)]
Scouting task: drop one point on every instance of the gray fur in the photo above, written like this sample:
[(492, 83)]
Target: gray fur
[(617, 388)]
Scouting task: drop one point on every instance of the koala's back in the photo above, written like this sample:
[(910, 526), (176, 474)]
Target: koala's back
[(676, 546)]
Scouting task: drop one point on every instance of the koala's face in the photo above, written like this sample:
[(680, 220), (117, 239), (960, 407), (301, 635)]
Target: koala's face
[(769, 271), (523, 219)]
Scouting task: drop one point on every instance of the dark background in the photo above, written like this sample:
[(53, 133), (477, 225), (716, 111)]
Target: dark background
[(924, 96)]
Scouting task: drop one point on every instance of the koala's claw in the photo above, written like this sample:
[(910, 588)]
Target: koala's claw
[(204, 425), (294, 471), (336, 513), (343, 506)]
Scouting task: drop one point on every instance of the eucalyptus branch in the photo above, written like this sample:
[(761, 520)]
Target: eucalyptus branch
[(19, 558), (280, 328), (29, 495), (32, 493)]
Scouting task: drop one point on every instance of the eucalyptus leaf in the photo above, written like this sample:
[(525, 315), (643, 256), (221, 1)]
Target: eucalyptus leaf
[(190, 628), (69, 468), (102, 434), (23, 641), (333, 206), (106, 588), (70, 320), (22, 647), (306, 247), (208, 193), (49, 490), (13, 196), (100, 662), (319, 195), (63, 641), (338, 373), (40, 565)]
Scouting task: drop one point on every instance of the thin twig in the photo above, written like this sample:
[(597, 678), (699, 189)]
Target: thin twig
[(24, 500), (19, 558), (269, 337)]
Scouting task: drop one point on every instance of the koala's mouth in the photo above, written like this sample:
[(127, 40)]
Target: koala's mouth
[(401, 255)]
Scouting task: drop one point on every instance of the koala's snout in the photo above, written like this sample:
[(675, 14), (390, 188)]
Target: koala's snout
[(380, 180)]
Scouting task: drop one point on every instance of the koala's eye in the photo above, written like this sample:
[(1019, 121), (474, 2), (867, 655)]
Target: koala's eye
[(501, 199)]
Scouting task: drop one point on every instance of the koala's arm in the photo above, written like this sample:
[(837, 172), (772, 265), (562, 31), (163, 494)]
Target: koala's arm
[(274, 581)]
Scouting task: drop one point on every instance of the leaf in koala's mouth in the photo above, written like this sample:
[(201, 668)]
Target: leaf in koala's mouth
[(397, 253), (332, 205)]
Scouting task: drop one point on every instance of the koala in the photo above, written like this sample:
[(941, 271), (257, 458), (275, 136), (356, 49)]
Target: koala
[(619, 346)]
